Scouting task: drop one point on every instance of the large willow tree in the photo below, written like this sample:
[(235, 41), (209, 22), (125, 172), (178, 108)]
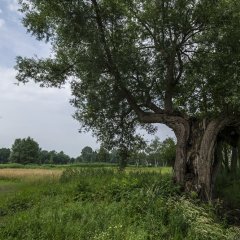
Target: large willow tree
[(133, 63)]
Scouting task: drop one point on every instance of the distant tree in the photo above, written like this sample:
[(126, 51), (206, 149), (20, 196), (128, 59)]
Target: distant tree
[(138, 157), (230, 159), (44, 157), (154, 152), (72, 160), (79, 159), (103, 154), (62, 158), (25, 151), (54, 157), (114, 156), (168, 151), (16, 151), (4, 155), (87, 154), (137, 151)]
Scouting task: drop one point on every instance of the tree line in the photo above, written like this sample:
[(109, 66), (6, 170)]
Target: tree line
[(154, 153), (27, 151)]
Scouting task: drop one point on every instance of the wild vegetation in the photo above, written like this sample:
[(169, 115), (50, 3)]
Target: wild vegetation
[(101, 203), (132, 64)]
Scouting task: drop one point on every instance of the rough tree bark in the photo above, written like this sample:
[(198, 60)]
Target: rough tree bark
[(196, 163)]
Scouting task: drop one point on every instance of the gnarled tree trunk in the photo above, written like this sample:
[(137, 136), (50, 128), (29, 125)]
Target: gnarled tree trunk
[(196, 163)]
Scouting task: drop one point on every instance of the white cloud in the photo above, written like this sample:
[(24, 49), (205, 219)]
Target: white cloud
[(14, 40), (0, 10), (31, 92), (2, 22), (13, 6)]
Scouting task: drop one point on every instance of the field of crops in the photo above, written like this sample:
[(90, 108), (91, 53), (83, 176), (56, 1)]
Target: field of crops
[(102, 203)]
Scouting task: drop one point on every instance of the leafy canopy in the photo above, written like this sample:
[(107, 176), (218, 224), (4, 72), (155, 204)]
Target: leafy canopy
[(127, 58)]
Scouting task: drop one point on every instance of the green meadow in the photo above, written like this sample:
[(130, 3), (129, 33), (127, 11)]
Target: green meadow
[(102, 203)]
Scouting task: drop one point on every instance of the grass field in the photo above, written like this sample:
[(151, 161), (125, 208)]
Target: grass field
[(29, 174), (101, 203)]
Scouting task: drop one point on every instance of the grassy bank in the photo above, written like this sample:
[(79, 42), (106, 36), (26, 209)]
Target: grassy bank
[(88, 203)]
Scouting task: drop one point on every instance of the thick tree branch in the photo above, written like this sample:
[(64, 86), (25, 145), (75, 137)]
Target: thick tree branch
[(158, 115), (149, 104), (112, 66)]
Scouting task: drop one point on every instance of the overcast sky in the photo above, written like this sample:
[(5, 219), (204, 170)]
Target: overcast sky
[(43, 114)]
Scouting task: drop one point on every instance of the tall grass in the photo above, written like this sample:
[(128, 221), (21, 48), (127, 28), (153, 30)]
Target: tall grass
[(29, 174), (104, 204)]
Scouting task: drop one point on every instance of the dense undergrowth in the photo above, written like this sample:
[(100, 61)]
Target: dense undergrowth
[(227, 187), (105, 205)]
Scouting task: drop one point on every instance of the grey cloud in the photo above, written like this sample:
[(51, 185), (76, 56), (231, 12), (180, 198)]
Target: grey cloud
[(2, 22), (44, 114)]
